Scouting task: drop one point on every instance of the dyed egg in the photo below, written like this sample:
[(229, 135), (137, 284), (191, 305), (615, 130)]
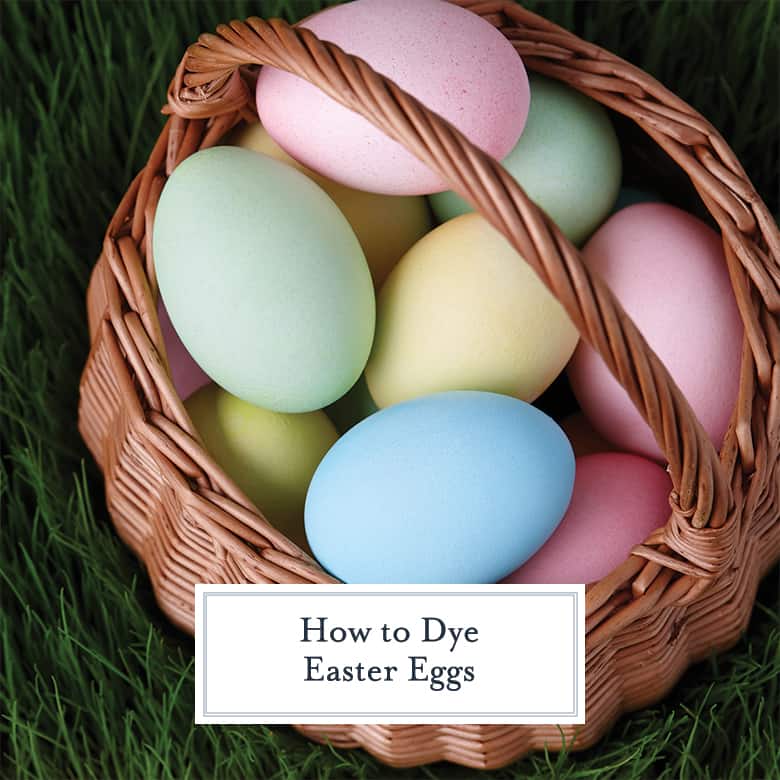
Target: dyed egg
[(584, 439), (451, 488), (567, 161), (386, 226), (271, 456), (263, 279), (452, 60), (668, 271), (618, 501), (353, 407), (186, 374), (463, 311)]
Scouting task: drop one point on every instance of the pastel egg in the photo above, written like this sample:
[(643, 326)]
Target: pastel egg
[(463, 311), (385, 225), (263, 279), (567, 161), (271, 456), (618, 501), (187, 375), (668, 271), (451, 488), (450, 59)]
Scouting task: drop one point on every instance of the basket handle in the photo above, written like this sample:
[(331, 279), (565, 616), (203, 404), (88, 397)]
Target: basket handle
[(702, 528)]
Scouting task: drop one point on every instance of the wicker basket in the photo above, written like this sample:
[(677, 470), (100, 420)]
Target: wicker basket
[(685, 592)]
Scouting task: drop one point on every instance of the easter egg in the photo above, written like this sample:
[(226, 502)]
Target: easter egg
[(567, 161), (451, 488), (668, 271), (618, 501), (271, 456), (453, 61), (353, 407), (585, 440), (187, 375), (462, 310), (385, 225), (263, 279)]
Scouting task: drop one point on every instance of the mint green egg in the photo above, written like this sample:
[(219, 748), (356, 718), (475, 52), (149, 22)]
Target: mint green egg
[(567, 160), (264, 279)]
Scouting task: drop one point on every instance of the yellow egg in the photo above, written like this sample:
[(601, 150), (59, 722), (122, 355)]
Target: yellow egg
[(385, 225), (463, 311), (271, 456)]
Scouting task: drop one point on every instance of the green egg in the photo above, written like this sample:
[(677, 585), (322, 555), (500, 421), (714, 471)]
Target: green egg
[(567, 160), (271, 456), (264, 279)]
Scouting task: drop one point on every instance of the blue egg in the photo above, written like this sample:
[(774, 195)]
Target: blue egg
[(457, 487)]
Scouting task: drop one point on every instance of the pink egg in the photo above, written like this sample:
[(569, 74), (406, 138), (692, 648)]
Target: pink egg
[(187, 375), (452, 60), (618, 500), (668, 270)]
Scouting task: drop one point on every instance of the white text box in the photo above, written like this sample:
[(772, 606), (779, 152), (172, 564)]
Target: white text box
[(333, 654)]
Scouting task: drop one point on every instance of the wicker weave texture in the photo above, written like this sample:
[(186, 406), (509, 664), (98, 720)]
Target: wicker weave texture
[(686, 591)]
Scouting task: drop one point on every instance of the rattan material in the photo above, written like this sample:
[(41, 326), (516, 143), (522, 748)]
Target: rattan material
[(685, 592)]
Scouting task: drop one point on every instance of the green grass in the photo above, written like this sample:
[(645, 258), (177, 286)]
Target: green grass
[(95, 683)]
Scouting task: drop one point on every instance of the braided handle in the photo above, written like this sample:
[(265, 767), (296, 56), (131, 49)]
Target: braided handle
[(208, 84)]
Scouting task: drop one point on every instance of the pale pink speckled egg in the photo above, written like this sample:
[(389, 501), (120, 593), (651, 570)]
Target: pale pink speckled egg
[(187, 375), (618, 501), (668, 270), (452, 60)]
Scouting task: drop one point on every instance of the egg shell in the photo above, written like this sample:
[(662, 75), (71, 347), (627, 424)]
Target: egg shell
[(263, 279), (385, 225), (450, 59), (353, 407), (186, 374), (463, 311), (567, 161), (451, 488), (618, 501), (271, 456), (585, 440), (668, 271)]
